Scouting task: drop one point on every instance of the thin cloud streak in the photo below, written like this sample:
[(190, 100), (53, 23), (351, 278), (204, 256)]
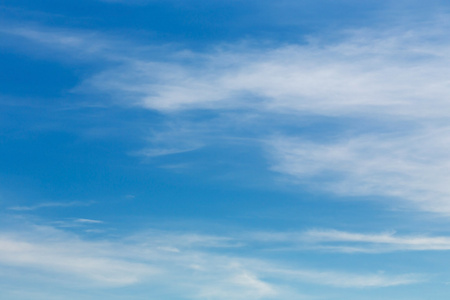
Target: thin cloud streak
[(350, 242), (388, 241), (50, 205), (88, 221), (343, 280), (76, 43)]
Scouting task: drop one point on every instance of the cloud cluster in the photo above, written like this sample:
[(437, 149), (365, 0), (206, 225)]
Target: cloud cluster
[(396, 80), (392, 84)]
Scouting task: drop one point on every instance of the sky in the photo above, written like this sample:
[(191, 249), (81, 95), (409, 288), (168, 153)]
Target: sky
[(224, 149)]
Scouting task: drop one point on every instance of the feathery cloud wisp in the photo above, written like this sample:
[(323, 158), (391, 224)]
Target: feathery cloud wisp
[(197, 263)]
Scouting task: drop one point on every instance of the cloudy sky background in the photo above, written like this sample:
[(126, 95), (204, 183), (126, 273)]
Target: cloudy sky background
[(224, 149)]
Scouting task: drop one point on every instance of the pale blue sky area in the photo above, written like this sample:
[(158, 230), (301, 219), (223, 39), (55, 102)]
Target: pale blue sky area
[(210, 150)]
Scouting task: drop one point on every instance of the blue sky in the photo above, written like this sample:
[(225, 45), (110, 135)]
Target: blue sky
[(210, 150)]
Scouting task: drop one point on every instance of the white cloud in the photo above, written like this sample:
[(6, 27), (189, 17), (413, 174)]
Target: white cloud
[(88, 221), (350, 242), (397, 72), (76, 43), (151, 152), (412, 166), (80, 260), (242, 285), (345, 280), (388, 241), (199, 266), (50, 205)]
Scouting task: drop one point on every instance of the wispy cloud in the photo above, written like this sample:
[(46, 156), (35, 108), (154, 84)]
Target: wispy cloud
[(88, 221), (161, 152), (81, 260), (397, 72), (187, 263), (50, 205), (77, 43), (412, 166), (380, 242), (346, 280), (350, 242)]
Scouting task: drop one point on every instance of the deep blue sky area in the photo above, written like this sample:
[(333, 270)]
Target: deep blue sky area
[(224, 150)]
